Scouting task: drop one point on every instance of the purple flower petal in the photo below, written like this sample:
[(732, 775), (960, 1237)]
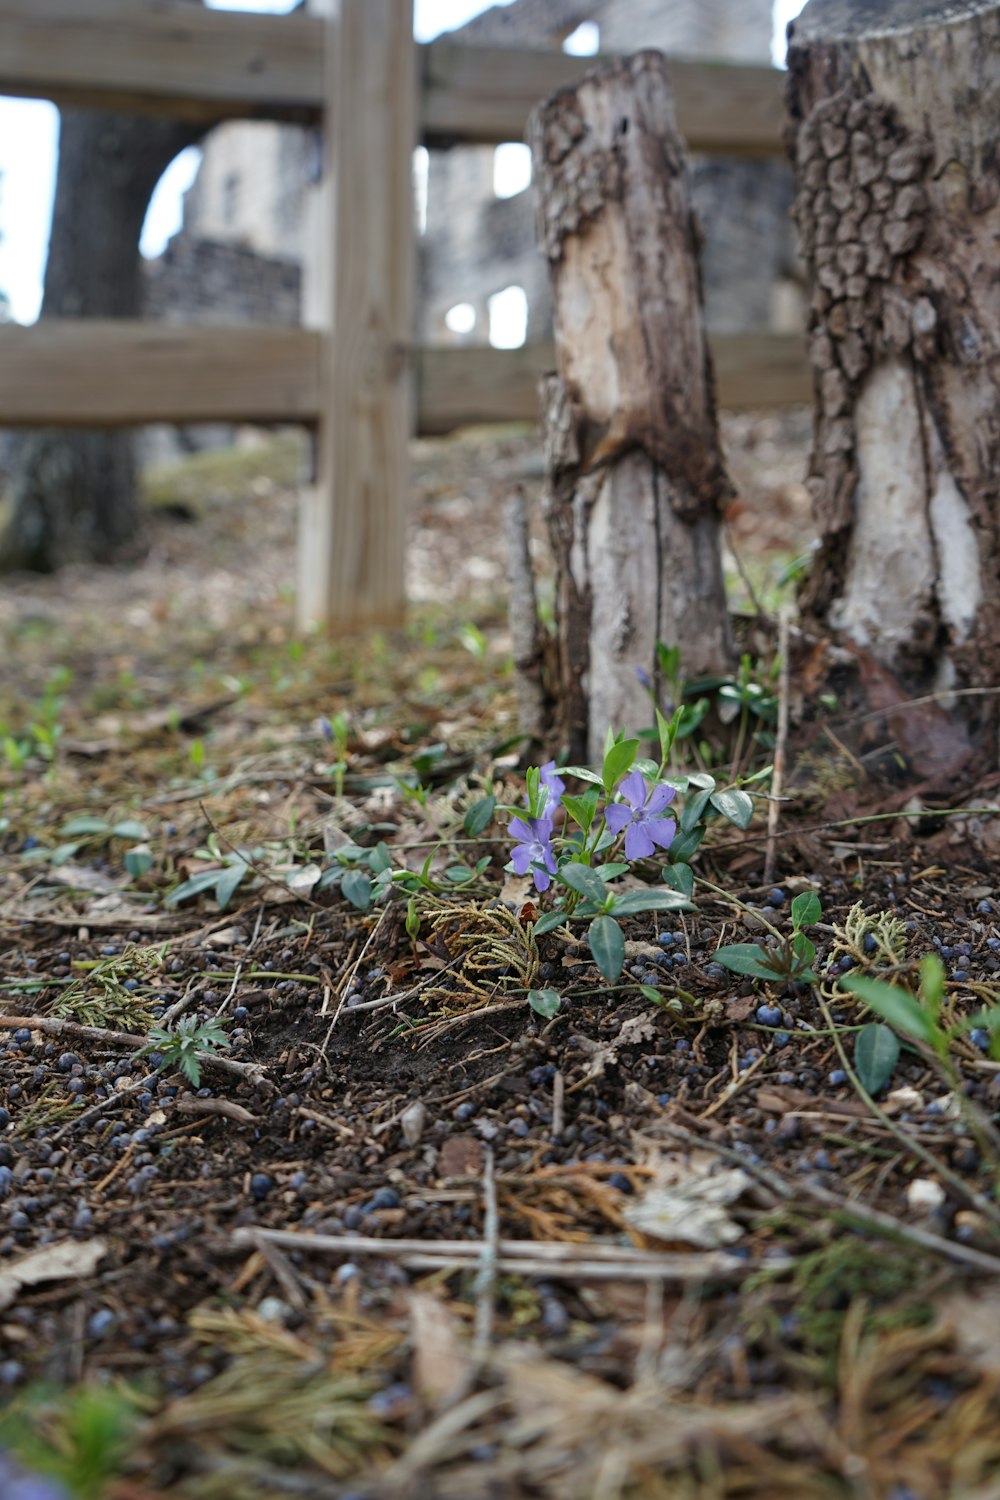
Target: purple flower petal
[(638, 844), (661, 831), (542, 880), (520, 830), (660, 797), (520, 858), (616, 816), (633, 788)]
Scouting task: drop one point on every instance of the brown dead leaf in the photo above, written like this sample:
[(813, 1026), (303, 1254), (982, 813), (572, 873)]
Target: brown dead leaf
[(440, 1364), (65, 1261), (460, 1156)]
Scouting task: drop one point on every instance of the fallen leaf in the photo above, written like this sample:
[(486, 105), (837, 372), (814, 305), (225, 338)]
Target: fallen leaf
[(440, 1365), (460, 1156), (688, 1203), (65, 1261)]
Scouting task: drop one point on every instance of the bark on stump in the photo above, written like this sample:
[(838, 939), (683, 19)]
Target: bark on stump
[(635, 476), (895, 107)]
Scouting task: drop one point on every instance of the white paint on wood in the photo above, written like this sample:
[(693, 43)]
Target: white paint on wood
[(352, 527), (890, 570)]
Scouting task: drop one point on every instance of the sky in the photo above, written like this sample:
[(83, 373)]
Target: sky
[(29, 133)]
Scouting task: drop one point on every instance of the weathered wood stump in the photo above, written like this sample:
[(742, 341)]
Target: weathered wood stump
[(635, 475), (896, 115)]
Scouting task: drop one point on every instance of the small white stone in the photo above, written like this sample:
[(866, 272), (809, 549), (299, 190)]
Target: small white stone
[(924, 1195), (413, 1120)]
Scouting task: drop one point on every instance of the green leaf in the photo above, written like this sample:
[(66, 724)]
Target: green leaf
[(82, 827), (686, 844), (693, 809), (648, 991), (932, 983), (63, 853), (612, 870), (458, 874), (205, 880), (804, 950), (806, 909), (137, 861), (131, 828), (735, 805), (653, 899), (747, 958), (893, 1004), (607, 944), (358, 889), (548, 922), (585, 881), (582, 809), (583, 773), (704, 780), (617, 763), (479, 817), (679, 878), (876, 1052), (412, 920), (379, 859), (228, 880), (545, 1002), (189, 1065)]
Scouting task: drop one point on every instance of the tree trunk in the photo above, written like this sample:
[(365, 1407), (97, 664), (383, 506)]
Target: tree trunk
[(896, 110), (74, 493), (634, 467)]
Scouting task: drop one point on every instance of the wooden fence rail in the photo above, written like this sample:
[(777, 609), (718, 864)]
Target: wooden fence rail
[(362, 382)]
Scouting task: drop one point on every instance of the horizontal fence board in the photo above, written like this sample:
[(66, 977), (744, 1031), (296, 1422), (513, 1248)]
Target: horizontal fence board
[(485, 94), (93, 372), (169, 57), (163, 57), (101, 373)]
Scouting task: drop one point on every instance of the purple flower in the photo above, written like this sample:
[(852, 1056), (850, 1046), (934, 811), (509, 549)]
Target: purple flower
[(533, 850), (554, 788), (641, 815)]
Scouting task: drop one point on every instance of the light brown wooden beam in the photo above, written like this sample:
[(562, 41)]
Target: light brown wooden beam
[(163, 57), (95, 373), (485, 94), (167, 57)]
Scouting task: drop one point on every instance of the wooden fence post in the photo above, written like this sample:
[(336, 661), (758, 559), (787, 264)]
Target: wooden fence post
[(352, 528)]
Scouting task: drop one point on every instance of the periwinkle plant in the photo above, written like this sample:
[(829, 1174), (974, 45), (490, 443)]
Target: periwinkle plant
[(582, 844)]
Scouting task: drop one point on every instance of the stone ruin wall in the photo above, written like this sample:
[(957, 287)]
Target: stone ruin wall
[(477, 244)]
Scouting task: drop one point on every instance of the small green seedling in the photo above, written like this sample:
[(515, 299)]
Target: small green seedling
[(791, 959), (186, 1045)]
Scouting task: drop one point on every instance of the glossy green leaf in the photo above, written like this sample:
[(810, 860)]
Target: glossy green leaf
[(734, 805), (548, 922), (82, 827), (205, 880), (806, 909), (679, 878), (607, 944), (137, 862), (227, 881), (130, 828), (893, 1004), (693, 809), (582, 809), (876, 1052), (545, 1002), (746, 958), (654, 898), (585, 881), (357, 887), (617, 762)]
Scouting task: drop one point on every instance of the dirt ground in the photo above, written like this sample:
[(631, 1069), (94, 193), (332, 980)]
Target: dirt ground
[(404, 1235)]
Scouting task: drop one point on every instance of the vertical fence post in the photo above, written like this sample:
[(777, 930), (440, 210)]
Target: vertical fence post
[(353, 522)]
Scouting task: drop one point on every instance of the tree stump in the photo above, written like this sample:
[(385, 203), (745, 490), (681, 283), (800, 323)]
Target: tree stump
[(635, 476), (896, 115)]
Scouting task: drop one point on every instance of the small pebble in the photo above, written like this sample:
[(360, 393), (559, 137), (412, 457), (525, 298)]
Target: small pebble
[(776, 897), (261, 1184)]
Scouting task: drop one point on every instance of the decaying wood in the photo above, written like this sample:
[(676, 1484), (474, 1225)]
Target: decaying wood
[(635, 475), (896, 115)]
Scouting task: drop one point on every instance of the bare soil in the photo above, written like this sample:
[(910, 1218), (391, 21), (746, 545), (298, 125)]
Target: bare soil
[(528, 1324)]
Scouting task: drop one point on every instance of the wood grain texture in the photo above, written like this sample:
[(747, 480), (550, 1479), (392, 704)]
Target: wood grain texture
[(97, 372), (163, 57), (353, 523), (157, 372)]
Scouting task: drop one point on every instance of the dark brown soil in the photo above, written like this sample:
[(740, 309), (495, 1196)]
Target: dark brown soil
[(830, 1342)]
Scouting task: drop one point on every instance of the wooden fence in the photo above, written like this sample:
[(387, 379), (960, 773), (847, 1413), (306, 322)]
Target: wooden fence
[(364, 382)]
